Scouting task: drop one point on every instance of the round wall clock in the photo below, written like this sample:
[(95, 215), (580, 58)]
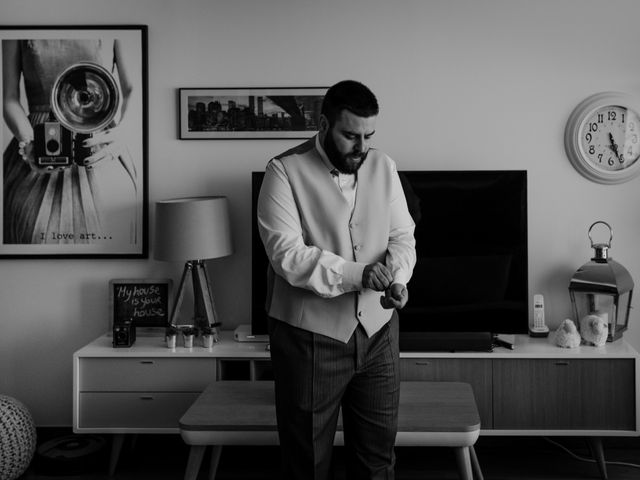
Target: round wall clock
[(602, 137)]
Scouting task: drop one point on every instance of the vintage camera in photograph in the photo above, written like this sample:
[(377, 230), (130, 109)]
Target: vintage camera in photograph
[(124, 334), (85, 99), (57, 146), (53, 145)]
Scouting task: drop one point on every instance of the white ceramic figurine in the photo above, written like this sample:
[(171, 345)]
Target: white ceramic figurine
[(594, 329), (567, 335)]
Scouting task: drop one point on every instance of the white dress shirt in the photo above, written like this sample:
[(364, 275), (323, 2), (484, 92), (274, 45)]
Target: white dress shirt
[(321, 271)]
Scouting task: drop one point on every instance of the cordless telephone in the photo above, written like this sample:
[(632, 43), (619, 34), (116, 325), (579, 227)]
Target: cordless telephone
[(538, 329)]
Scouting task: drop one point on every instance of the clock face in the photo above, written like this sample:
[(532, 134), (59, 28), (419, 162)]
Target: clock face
[(610, 138), (602, 137)]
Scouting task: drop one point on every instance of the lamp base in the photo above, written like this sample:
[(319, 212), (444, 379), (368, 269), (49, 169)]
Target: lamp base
[(204, 311)]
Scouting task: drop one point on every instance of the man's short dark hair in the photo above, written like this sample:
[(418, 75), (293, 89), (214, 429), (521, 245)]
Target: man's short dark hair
[(349, 95)]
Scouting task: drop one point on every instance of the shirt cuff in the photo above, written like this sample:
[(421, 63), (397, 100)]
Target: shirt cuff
[(401, 277), (352, 276)]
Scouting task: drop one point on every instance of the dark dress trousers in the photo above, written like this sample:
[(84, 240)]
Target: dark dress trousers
[(315, 375)]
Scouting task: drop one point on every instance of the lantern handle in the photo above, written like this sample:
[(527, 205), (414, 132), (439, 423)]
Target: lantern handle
[(608, 245)]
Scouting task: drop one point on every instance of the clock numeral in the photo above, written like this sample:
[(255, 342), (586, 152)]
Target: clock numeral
[(612, 116), (600, 118), (588, 137), (622, 117), (593, 127), (592, 149), (631, 126), (611, 162), (600, 157)]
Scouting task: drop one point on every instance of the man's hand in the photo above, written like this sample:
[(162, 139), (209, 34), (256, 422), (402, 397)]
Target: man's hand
[(395, 296), (376, 277)]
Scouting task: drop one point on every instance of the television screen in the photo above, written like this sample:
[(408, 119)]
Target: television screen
[(471, 273), (259, 264)]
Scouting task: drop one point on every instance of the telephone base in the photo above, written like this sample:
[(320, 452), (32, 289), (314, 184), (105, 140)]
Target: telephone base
[(539, 332)]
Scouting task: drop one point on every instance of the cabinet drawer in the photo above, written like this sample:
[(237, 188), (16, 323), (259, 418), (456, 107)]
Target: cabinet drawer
[(145, 374), (475, 371), (571, 394), (133, 410)]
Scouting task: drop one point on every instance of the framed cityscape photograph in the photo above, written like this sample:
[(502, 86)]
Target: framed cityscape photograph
[(74, 141), (244, 113)]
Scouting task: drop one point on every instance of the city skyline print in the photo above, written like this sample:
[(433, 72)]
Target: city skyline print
[(245, 113)]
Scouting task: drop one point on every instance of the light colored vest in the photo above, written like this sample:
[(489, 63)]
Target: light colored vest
[(328, 224)]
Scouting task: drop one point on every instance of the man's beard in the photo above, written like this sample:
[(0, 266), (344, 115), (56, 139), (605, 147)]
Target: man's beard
[(345, 163)]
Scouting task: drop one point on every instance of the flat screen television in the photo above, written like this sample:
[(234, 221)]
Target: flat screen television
[(470, 281)]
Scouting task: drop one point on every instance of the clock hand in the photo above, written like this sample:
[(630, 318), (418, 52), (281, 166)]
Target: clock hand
[(614, 146)]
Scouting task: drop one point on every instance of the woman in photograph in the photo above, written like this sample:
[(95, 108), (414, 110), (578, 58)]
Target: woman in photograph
[(92, 198)]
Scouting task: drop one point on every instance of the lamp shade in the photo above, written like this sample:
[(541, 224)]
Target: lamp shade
[(195, 228)]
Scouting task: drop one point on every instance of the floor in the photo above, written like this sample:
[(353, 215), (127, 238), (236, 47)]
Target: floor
[(163, 457)]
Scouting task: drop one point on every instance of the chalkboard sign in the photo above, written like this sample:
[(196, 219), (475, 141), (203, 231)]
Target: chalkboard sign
[(145, 301)]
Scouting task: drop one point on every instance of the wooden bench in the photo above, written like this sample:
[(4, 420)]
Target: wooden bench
[(442, 414)]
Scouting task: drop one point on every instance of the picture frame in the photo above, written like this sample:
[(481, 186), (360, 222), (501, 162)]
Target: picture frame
[(74, 183), (145, 301), (249, 113)]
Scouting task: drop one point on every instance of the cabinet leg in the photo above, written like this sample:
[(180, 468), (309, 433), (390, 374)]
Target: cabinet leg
[(133, 442), (196, 452), (116, 448), (597, 452), (475, 465), (464, 463)]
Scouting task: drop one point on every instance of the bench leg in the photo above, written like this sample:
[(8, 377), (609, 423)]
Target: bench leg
[(216, 450), (196, 452), (464, 463), (597, 452), (477, 472)]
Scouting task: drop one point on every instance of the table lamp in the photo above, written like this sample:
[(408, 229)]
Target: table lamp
[(192, 230)]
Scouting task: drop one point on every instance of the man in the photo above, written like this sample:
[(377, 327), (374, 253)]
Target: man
[(334, 222)]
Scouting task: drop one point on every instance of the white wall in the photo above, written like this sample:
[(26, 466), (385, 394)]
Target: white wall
[(463, 84)]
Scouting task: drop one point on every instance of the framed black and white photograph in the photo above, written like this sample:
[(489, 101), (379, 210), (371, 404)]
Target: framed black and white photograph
[(74, 140), (244, 113)]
